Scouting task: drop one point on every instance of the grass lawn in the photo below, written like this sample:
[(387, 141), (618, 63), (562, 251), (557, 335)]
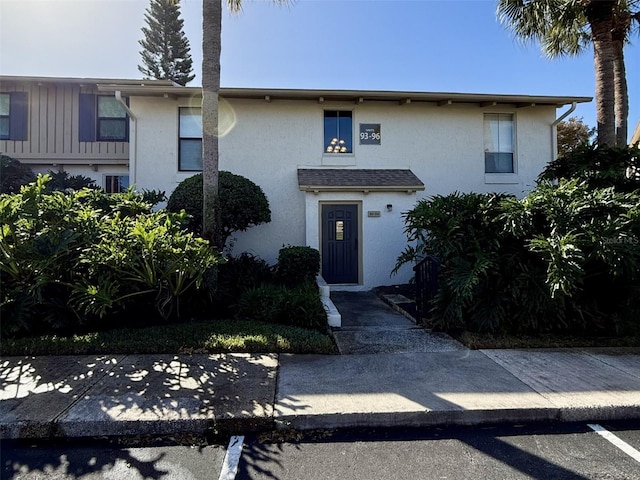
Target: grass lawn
[(213, 336)]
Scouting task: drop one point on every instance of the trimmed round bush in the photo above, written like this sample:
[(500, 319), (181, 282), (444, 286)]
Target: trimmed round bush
[(298, 265), (243, 204)]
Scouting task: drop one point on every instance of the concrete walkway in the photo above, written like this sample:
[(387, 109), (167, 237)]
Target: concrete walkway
[(371, 326), (115, 395)]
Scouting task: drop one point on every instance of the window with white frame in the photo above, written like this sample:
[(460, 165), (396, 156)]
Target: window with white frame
[(499, 136), (338, 131), (116, 183), (190, 140)]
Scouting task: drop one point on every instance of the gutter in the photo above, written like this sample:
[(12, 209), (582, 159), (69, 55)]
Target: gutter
[(118, 95), (554, 135), (132, 151)]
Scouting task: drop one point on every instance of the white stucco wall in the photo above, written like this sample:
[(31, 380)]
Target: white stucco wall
[(443, 146)]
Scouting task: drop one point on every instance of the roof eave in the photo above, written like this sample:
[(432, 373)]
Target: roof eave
[(83, 80), (351, 96)]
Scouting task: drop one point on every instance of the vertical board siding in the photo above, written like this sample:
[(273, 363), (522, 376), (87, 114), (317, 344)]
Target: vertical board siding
[(52, 130), (34, 122), (59, 121), (67, 120), (42, 124), (53, 126)]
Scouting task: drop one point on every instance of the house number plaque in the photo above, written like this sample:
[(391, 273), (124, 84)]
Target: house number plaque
[(370, 134)]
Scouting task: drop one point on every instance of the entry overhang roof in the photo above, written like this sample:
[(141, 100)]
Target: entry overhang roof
[(358, 180)]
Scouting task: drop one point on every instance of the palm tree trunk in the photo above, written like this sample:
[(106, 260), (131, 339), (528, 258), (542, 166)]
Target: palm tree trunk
[(600, 16), (211, 48), (621, 26), (622, 96)]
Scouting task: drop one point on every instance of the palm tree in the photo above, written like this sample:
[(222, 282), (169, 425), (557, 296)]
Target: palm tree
[(567, 27), (211, 48)]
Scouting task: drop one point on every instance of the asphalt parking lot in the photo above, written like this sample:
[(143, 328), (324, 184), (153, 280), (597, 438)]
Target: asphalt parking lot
[(568, 452), (537, 451)]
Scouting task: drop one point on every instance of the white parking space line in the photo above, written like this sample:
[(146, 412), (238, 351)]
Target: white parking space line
[(232, 458), (621, 444)]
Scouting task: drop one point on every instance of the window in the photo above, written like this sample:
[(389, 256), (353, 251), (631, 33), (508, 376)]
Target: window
[(13, 116), (116, 183), (112, 120), (498, 143), (102, 119), (338, 131), (5, 102), (190, 140)]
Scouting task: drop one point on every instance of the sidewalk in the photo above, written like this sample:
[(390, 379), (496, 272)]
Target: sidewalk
[(412, 382)]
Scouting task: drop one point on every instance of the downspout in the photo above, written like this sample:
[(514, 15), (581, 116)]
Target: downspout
[(132, 155), (554, 136)]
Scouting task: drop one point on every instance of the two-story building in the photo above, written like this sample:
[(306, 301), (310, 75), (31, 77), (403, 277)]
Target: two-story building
[(338, 167)]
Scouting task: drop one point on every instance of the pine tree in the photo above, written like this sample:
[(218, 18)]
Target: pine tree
[(166, 48)]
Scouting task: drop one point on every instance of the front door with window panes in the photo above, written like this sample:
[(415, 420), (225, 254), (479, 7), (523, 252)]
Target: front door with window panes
[(340, 243)]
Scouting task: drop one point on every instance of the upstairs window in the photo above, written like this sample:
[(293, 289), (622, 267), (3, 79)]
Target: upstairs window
[(102, 119), (112, 120), (190, 140), (5, 104), (498, 143), (338, 131), (13, 116)]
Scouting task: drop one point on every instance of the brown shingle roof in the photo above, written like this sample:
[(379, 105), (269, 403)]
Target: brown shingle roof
[(361, 179)]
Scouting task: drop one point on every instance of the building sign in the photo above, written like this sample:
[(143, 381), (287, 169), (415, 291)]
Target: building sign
[(370, 134)]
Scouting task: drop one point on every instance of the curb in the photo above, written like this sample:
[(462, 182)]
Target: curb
[(457, 418)]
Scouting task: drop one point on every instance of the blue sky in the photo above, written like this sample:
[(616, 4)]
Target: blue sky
[(419, 45)]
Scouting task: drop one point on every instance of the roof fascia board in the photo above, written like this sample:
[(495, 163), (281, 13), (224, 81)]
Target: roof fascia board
[(167, 87), (347, 96), (78, 80)]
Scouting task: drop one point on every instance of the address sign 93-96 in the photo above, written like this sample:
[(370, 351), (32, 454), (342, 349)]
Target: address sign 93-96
[(370, 134)]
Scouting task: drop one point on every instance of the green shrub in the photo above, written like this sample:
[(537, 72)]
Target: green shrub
[(565, 258), (77, 259), (63, 181), (298, 265), (237, 275), (13, 175), (299, 307), (243, 204), (599, 167), (187, 196), (153, 197)]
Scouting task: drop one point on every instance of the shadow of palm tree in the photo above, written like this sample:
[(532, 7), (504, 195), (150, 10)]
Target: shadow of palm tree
[(70, 460), (155, 394)]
